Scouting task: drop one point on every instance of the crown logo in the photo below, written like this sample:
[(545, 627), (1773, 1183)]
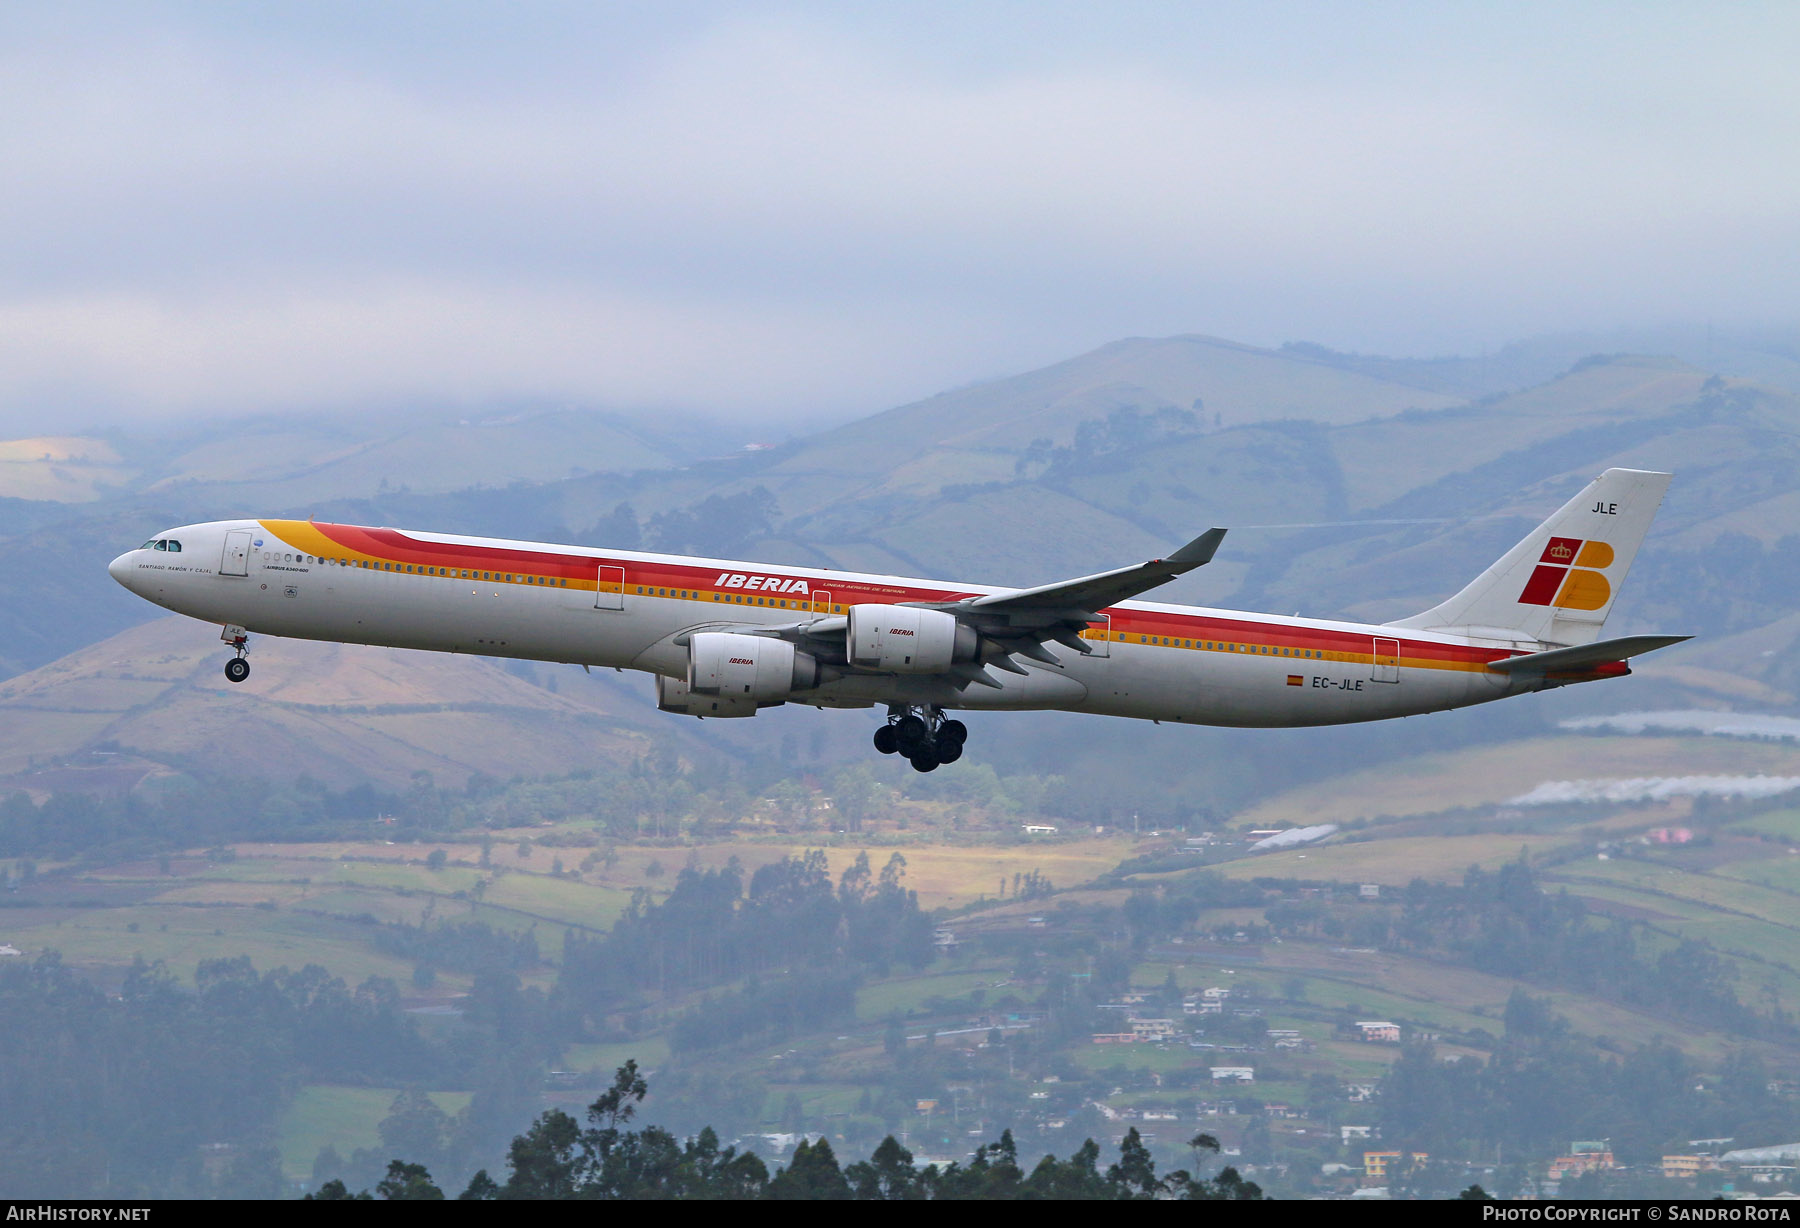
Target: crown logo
[(1561, 553)]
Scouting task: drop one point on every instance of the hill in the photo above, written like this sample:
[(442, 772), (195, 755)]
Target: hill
[(152, 700)]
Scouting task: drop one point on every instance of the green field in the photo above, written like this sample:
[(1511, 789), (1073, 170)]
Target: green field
[(1488, 775), (1395, 862), (905, 996), (344, 1118), (1784, 824), (647, 1053)]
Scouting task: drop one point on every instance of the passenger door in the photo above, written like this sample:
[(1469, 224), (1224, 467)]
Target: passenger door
[(609, 591), (1387, 661), (235, 560)]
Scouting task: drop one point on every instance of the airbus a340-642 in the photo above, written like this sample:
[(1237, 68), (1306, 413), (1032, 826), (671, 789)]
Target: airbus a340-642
[(728, 639)]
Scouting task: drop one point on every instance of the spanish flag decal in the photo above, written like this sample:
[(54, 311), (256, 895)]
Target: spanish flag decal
[(1296, 680)]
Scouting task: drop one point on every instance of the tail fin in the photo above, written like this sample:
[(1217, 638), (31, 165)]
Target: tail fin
[(1557, 585)]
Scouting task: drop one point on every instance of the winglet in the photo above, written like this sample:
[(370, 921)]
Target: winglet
[(1200, 551)]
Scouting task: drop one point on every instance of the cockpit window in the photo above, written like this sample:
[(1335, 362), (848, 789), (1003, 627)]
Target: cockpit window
[(162, 544), (149, 545), (174, 545)]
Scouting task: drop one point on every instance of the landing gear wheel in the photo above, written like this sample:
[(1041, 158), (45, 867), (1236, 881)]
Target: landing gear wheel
[(912, 735), (237, 669), (954, 731), (925, 761), (886, 740), (948, 749)]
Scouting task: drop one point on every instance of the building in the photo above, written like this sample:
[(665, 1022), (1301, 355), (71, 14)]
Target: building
[(1379, 1165), (1369, 891), (1678, 1168), (1584, 1157), (1379, 1030), (1153, 1029), (1356, 1132), (1234, 1074)]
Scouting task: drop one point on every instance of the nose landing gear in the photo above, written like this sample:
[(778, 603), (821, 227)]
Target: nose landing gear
[(238, 668), (922, 735)]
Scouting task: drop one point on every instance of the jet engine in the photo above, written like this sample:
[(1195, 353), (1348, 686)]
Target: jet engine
[(672, 695), (908, 640), (748, 667)]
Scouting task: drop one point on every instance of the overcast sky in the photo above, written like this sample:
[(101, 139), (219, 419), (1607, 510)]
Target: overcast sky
[(829, 209)]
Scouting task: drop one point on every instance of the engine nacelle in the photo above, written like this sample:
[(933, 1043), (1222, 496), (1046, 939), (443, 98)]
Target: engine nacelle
[(908, 640), (752, 667), (672, 695)]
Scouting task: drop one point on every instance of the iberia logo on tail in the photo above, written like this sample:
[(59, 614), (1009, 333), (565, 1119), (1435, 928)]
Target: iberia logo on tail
[(1567, 575)]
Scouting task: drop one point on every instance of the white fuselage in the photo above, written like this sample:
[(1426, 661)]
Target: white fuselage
[(629, 610)]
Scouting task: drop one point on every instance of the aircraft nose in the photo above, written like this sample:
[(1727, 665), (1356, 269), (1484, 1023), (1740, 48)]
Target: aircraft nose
[(120, 568)]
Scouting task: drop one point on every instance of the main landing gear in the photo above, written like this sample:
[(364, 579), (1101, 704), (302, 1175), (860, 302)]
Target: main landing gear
[(238, 668), (922, 735)]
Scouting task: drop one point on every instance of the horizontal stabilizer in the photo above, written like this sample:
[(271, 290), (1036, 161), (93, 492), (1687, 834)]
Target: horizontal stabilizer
[(1584, 656)]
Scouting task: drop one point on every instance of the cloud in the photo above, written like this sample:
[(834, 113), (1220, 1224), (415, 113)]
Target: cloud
[(811, 211)]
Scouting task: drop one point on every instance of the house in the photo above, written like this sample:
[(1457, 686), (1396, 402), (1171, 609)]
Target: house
[(1115, 1038), (1369, 891), (1038, 829), (1377, 1165), (1379, 1031), (1584, 1157), (1677, 1168), (1234, 1074), (1352, 1132), (1153, 1029)]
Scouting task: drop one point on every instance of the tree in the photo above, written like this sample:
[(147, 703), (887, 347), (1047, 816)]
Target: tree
[(482, 1188), (546, 1159), (812, 1176), (335, 1191), (1135, 1173), (408, 1183), (888, 1174)]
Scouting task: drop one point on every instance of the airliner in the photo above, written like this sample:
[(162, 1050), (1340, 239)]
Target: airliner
[(728, 639)]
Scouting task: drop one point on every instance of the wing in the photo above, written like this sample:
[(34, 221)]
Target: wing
[(1019, 621), (1011, 623)]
